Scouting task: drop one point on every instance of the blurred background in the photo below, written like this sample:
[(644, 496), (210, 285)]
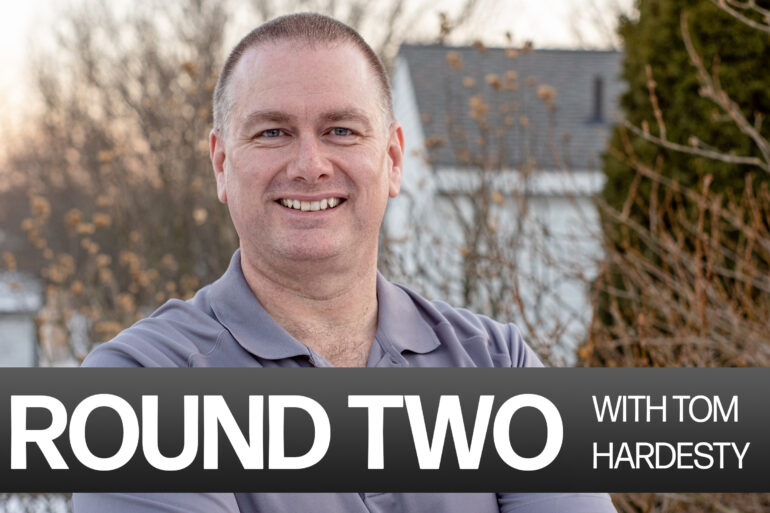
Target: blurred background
[(595, 171)]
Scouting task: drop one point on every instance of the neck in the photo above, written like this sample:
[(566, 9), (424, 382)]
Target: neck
[(331, 309)]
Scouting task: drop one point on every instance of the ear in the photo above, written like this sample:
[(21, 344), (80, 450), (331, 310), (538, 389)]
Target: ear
[(218, 157), (396, 154)]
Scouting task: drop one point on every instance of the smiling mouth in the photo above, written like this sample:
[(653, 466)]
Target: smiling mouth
[(311, 206)]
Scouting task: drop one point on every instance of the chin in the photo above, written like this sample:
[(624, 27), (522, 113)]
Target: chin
[(311, 252)]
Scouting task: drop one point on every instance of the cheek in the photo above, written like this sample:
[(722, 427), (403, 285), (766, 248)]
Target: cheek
[(245, 179), (242, 190)]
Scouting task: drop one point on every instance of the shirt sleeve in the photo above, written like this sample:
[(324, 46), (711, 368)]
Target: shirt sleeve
[(523, 356), (555, 503), (119, 353), (154, 503)]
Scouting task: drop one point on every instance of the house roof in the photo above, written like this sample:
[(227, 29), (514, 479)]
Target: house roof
[(451, 82)]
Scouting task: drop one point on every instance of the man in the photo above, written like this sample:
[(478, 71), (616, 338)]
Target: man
[(306, 154)]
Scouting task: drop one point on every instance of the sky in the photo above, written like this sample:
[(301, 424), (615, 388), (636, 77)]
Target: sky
[(16, 25), (547, 23)]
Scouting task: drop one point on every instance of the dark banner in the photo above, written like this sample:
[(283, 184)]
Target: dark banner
[(397, 430)]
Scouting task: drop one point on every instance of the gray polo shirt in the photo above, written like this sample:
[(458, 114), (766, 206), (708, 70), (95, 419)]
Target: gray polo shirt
[(225, 326)]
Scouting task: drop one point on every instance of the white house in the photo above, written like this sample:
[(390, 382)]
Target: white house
[(20, 300), (546, 119)]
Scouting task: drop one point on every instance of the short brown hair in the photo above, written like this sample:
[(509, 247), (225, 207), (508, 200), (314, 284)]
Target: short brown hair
[(310, 28)]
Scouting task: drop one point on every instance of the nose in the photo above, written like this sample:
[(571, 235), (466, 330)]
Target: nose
[(309, 164)]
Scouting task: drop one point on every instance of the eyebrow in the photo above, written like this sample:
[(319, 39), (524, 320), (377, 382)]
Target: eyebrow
[(332, 116), (265, 116), (349, 114)]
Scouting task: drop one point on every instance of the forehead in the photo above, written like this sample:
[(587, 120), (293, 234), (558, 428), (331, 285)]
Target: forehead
[(302, 80)]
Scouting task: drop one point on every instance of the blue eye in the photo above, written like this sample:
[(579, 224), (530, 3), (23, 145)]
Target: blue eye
[(272, 132), (342, 131)]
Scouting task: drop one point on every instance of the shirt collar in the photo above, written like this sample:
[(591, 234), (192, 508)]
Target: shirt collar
[(400, 326), (400, 323), (239, 310)]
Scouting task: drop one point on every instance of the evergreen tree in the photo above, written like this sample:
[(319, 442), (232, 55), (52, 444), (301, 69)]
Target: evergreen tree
[(658, 69), (737, 54), (688, 287)]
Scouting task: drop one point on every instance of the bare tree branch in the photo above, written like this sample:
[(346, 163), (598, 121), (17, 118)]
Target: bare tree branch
[(731, 7), (694, 150), (711, 89)]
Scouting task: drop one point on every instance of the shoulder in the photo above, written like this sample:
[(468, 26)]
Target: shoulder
[(171, 337), (475, 333), (499, 337)]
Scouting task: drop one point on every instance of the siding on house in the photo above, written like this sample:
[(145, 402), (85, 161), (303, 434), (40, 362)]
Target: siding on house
[(20, 300)]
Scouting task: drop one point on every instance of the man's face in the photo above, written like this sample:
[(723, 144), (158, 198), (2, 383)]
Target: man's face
[(307, 163)]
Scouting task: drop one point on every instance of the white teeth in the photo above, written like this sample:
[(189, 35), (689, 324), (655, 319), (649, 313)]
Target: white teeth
[(310, 206)]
